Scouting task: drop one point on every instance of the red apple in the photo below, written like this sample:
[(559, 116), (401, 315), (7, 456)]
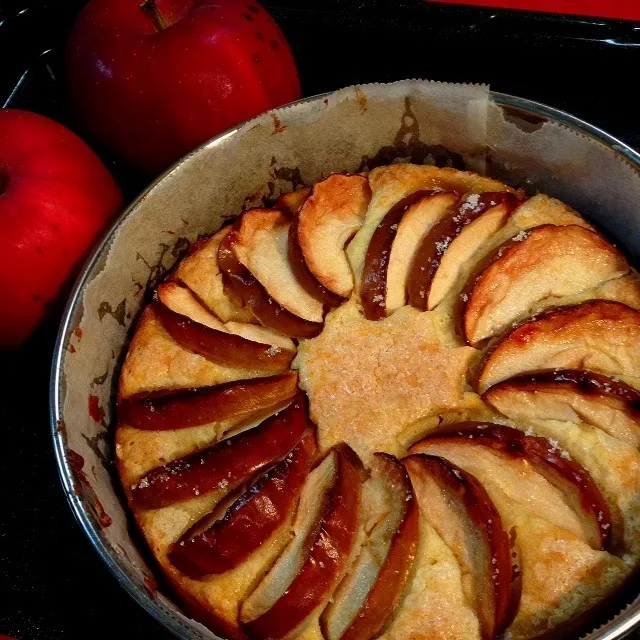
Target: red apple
[(153, 80), (225, 463), (55, 199), (250, 520)]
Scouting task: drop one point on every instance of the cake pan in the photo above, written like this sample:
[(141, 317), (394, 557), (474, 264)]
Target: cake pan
[(131, 572)]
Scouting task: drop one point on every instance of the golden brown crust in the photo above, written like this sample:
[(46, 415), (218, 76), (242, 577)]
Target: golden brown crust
[(155, 361)]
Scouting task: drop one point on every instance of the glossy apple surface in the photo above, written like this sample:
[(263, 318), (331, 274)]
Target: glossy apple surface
[(250, 520), (219, 346), (56, 197), (225, 463), (373, 290), (458, 507), (598, 335), (153, 80), (242, 284), (571, 395), (184, 408), (537, 267), (553, 463), (360, 608), (438, 240), (329, 551)]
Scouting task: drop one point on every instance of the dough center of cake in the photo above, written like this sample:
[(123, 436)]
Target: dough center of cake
[(367, 381)]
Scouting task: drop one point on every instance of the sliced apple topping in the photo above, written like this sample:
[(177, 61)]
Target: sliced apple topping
[(225, 463), (262, 247), (370, 593), (280, 604), (241, 283), (250, 520), (184, 408), (393, 246), (199, 271), (327, 220), (313, 507), (290, 203), (598, 335), (220, 346), (431, 254), (570, 395), (458, 507), (545, 263), (304, 275), (553, 463)]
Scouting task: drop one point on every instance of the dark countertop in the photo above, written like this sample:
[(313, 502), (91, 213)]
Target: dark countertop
[(52, 584)]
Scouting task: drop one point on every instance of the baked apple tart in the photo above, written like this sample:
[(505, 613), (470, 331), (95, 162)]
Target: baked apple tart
[(401, 405)]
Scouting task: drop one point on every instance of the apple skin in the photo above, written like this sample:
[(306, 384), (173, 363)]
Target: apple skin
[(183, 408), (239, 283), (225, 463), (220, 347), (438, 240), (152, 94), (250, 520), (565, 474), (373, 291), (56, 197), (498, 587), (329, 553)]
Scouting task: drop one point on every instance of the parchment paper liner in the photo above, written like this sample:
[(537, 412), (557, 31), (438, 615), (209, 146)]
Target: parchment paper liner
[(352, 129)]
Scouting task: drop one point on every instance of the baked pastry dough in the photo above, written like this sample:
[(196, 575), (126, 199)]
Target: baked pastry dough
[(402, 405)]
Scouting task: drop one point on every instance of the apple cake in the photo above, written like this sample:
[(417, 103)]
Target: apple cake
[(400, 405)]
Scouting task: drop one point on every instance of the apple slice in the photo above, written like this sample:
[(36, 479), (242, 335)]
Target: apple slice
[(199, 272), (182, 300), (303, 274), (570, 395), (545, 263), (184, 408), (554, 464), (220, 346), (239, 280), (434, 246), (370, 593), (457, 506), (262, 247), (250, 520), (393, 246), (225, 463), (290, 203), (312, 509), (327, 220), (598, 335), (313, 585), (258, 333)]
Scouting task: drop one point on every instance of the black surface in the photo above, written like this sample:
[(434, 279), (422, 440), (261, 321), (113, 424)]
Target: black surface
[(52, 584)]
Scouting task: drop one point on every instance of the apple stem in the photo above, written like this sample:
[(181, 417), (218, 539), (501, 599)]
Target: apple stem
[(151, 9)]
